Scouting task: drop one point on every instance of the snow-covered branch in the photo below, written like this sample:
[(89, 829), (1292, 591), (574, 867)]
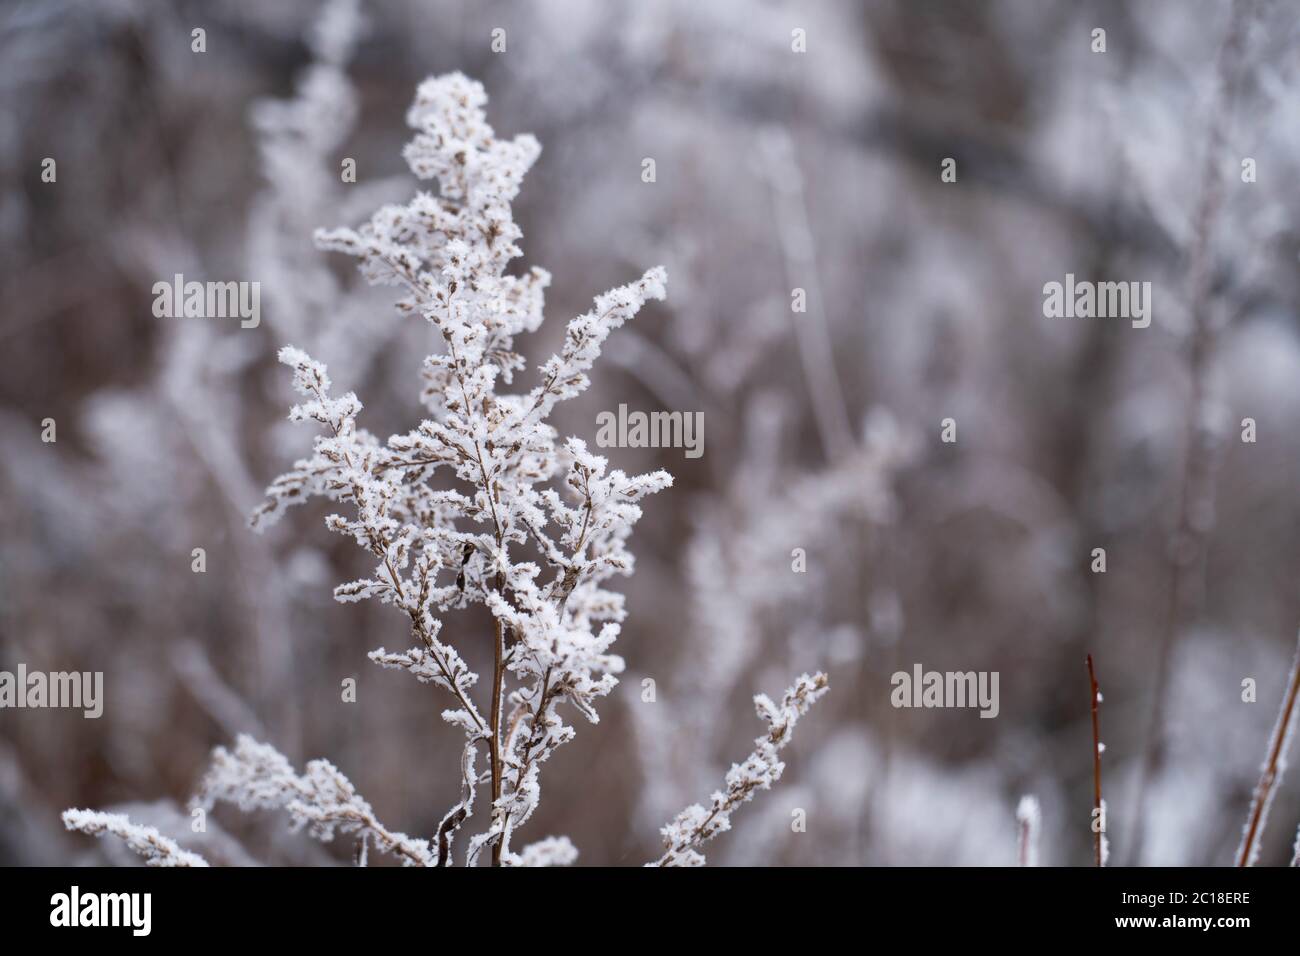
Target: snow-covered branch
[(697, 824), (157, 850), (256, 776)]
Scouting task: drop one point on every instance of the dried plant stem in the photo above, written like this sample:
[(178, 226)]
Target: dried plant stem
[(1099, 818), (498, 674), (1274, 767)]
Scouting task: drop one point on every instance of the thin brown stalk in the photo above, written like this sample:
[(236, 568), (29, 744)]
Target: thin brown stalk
[(1274, 765), (1099, 818)]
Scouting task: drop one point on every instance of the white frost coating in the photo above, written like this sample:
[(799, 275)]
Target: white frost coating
[(256, 776), (696, 825), (448, 509), (1030, 819), (553, 851), (157, 850), (506, 482)]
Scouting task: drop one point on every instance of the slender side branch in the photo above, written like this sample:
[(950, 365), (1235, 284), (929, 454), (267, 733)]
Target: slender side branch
[(696, 825), (157, 850)]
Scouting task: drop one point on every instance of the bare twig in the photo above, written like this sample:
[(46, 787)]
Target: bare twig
[(1273, 769), (1098, 808)]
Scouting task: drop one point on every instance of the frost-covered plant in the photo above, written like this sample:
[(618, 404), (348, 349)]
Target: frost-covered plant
[(444, 548), (258, 777), (745, 604), (697, 824), (157, 850)]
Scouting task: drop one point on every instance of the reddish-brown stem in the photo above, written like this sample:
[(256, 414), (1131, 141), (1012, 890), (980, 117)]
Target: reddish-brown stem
[(498, 672), (1272, 766), (1099, 819)]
